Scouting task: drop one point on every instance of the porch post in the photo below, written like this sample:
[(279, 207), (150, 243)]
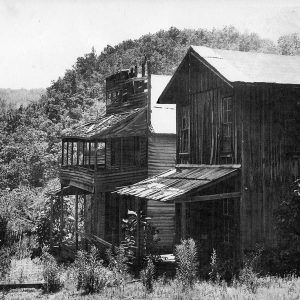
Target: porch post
[(67, 152), (72, 153), (76, 221), (95, 149), (62, 152), (51, 222), (61, 218), (183, 220), (138, 225)]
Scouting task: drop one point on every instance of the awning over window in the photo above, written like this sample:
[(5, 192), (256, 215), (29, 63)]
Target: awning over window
[(180, 181)]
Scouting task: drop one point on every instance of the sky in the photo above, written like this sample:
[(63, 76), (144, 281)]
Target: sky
[(40, 39)]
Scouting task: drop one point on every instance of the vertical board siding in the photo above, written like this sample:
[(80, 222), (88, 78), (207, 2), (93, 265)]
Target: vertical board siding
[(161, 157), (161, 153), (267, 168), (203, 92)]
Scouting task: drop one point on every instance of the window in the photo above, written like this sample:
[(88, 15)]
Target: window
[(115, 152), (227, 220), (184, 145), (130, 151), (226, 146)]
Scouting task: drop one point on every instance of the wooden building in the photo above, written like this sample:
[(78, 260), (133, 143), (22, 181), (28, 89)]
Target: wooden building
[(238, 147), (136, 138)]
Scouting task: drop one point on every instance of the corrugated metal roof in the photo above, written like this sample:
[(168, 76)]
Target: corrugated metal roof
[(238, 66), (132, 122), (163, 116), (179, 181)]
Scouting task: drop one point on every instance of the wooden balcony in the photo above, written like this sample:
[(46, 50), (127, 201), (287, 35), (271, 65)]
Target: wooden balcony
[(78, 176), (88, 179)]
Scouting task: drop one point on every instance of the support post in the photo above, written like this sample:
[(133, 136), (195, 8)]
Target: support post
[(96, 158), (76, 221), (83, 156), (62, 152), (89, 154), (183, 220), (51, 222), (72, 153), (61, 218), (67, 153), (78, 151), (138, 225)]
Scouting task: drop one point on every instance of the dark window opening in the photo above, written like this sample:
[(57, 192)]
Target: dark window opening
[(227, 126), (184, 134)]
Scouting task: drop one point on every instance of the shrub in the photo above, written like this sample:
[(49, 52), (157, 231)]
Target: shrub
[(5, 261), (187, 264), (117, 263), (117, 259), (92, 276), (214, 274), (51, 272), (147, 275), (249, 275)]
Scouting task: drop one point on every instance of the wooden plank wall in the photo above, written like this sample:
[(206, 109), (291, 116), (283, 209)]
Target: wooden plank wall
[(161, 153), (269, 130), (203, 92), (136, 94), (161, 157)]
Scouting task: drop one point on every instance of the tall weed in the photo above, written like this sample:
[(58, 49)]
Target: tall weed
[(92, 276), (147, 275), (187, 262), (51, 272)]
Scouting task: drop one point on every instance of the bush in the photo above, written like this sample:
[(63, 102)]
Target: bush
[(249, 275), (51, 272), (147, 275), (92, 276), (5, 261), (187, 263), (214, 274)]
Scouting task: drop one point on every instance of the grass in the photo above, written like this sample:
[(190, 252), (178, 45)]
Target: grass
[(24, 271), (269, 288)]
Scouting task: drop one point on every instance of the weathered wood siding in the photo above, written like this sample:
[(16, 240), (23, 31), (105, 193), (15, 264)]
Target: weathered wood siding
[(161, 153), (265, 140), (124, 94), (269, 120), (77, 176), (202, 92), (161, 157), (109, 181)]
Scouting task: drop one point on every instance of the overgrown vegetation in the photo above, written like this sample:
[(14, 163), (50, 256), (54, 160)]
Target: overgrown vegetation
[(51, 272), (92, 276), (187, 262)]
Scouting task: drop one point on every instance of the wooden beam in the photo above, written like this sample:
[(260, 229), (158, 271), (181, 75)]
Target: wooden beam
[(67, 153), (76, 221), (95, 149), (209, 197), (229, 166), (62, 152), (183, 220), (51, 222), (90, 153), (83, 156), (77, 153), (72, 153)]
